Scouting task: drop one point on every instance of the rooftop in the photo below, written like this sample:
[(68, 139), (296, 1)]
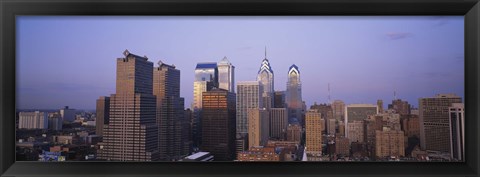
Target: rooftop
[(206, 65)]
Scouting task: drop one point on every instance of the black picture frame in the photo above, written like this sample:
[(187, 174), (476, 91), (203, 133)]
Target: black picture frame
[(11, 8)]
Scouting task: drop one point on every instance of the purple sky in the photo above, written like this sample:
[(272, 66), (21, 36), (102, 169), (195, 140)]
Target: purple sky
[(72, 60)]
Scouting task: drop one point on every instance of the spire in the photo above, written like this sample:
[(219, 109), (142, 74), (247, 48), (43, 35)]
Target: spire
[(265, 52)]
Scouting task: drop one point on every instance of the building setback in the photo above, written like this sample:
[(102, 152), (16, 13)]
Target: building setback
[(218, 124), (132, 132), (434, 121)]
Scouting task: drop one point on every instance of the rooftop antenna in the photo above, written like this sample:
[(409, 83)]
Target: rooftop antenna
[(265, 52)]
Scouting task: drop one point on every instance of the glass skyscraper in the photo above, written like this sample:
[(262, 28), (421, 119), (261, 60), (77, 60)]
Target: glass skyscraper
[(226, 75), (294, 94), (265, 77)]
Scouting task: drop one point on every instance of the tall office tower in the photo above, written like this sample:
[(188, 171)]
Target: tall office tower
[(338, 107), (206, 78), (457, 131), (258, 127), (324, 109), (226, 75), (380, 106), (170, 115), (355, 130), (401, 107), (249, 94), (313, 132), (389, 143), (294, 94), (294, 132), (102, 114), (218, 124), (278, 123), (279, 99), (189, 117), (33, 120), (132, 132), (265, 77), (358, 112), (67, 114), (434, 122), (55, 121)]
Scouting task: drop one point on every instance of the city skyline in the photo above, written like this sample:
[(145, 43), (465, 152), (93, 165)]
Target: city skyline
[(413, 61)]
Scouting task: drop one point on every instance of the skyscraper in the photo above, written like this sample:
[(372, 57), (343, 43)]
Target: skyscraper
[(206, 78), (279, 99), (102, 114), (218, 124), (278, 123), (434, 121), (249, 96), (265, 77), (313, 132), (401, 107), (226, 75), (132, 132), (258, 127), (294, 95), (170, 116), (457, 131)]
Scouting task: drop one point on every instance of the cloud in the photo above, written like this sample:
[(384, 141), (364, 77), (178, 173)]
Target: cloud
[(398, 35)]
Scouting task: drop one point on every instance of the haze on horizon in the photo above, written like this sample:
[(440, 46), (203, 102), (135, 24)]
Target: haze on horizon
[(71, 61)]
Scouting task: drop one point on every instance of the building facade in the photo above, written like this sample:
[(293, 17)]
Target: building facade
[(358, 112), (266, 78), (434, 121), (33, 120), (249, 96), (338, 107), (218, 124), (389, 143), (457, 131), (294, 132), (278, 123), (313, 132), (258, 127), (102, 114)]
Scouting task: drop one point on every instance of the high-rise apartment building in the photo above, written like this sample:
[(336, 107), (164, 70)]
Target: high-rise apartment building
[(294, 132), (278, 123), (226, 75), (294, 94), (218, 124), (102, 114), (313, 132), (358, 112), (249, 96), (355, 130), (434, 121), (67, 114), (55, 121), (33, 120), (266, 78), (258, 127), (170, 115), (132, 132), (457, 131), (389, 143)]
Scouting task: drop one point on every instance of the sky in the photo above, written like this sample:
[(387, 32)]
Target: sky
[(71, 60)]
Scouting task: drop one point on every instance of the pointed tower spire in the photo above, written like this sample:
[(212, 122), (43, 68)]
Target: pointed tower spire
[(265, 52)]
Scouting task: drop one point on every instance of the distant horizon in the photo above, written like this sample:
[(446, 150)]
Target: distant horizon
[(71, 61)]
